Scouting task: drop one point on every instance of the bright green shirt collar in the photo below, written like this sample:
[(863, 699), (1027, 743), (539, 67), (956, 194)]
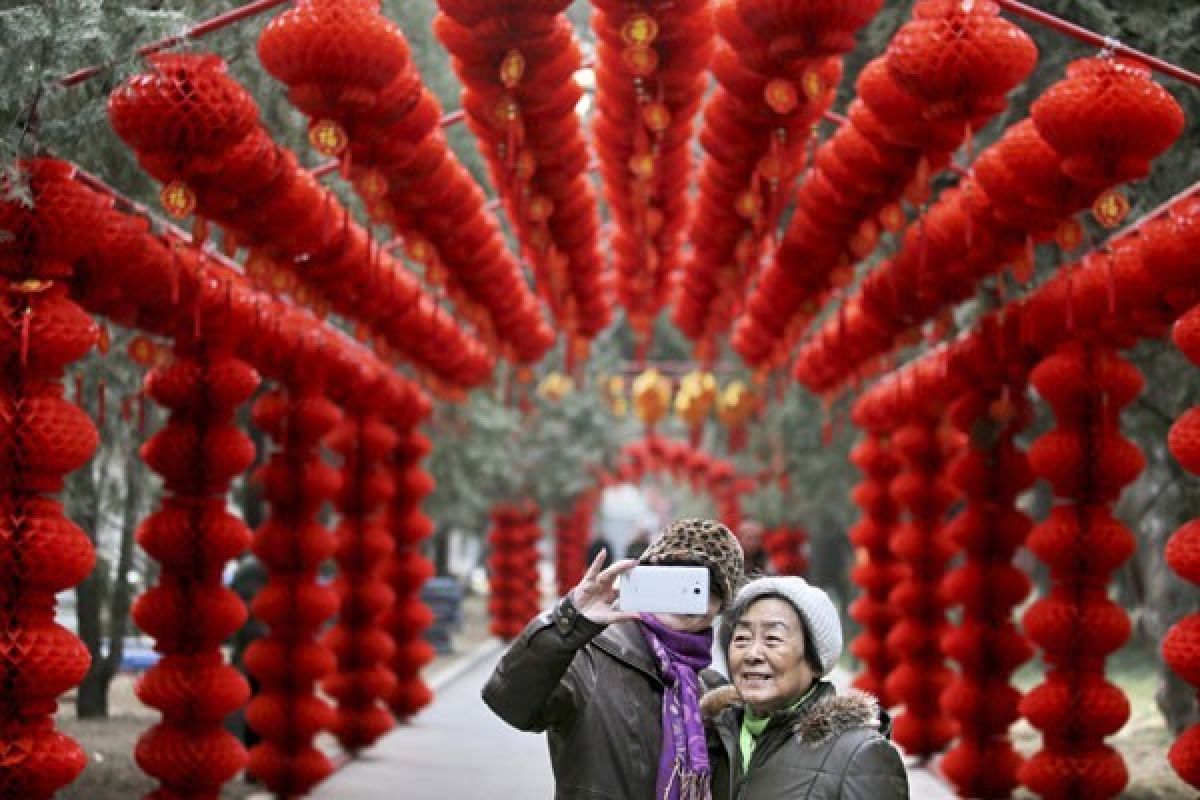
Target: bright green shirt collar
[(754, 725)]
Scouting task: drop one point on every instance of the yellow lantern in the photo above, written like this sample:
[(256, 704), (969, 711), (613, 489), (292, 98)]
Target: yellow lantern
[(651, 396), (614, 394), (735, 404), (697, 394), (555, 386)]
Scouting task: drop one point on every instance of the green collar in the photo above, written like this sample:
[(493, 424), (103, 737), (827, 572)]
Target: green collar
[(754, 725)]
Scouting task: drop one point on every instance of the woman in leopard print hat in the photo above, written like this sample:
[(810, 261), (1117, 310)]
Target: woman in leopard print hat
[(617, 692)]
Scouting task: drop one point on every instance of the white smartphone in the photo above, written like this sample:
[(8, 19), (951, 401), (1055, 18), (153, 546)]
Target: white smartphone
[(673, 590)]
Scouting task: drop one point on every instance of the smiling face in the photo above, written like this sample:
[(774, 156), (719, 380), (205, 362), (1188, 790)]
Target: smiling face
[(766, 656)]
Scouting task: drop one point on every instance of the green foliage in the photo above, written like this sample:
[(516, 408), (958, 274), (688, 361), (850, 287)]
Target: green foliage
[(796, 438)]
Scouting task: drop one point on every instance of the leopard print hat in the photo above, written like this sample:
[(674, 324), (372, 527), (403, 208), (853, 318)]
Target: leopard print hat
[(701, 541)]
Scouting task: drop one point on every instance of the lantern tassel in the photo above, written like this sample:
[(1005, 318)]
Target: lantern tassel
[(26, 321)]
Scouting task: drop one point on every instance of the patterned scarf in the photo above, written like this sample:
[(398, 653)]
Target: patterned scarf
[(683, 769)]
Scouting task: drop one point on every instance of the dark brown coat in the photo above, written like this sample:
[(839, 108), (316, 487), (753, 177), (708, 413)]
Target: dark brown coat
[(597, 694), (831, 748)]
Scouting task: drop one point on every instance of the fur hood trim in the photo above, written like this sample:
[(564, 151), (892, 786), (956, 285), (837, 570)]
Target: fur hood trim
[(717, 700), (837, 714), (829, 717)]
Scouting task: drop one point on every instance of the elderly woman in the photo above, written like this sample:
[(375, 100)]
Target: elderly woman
[(780, 731), (617, 693)]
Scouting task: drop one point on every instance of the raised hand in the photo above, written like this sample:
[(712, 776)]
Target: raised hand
[(596, 595)]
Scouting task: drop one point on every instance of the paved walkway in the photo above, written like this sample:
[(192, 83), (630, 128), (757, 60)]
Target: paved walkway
[(458, 750), (454, 750)]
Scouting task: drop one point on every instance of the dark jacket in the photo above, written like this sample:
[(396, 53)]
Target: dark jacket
[(597, 694), (831, 748)]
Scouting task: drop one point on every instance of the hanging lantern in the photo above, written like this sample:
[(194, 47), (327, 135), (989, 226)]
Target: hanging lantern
[(1108, 119), (555, 386), (696, 397), (335, 57), (990, 474), (991, 56), (736, 403), (651, 397)]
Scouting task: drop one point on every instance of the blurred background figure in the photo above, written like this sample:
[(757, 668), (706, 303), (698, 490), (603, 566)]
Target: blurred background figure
[(638, 544), (599, 542), (750, 533)]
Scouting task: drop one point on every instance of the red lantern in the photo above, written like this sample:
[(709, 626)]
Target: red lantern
[(1108, 119), (961, 59), (334, 56)]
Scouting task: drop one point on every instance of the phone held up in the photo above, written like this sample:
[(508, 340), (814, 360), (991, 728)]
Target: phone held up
[(671, 590)]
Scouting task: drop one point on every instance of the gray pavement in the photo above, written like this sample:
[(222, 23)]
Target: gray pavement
[(458, 750), (454, 750)]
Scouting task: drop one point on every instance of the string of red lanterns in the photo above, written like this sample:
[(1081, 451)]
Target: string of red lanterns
[(513, 568), (1142, 281), (364, 544), (1021, 190), (924, 447), (284, 342), (910, 115), (687, 464), (45, 437), (990, 473), (876, 569), (773, 84), (190, 613), (572, 532), (348, 68), (650, 80), (292, 545), (195, 129), (407, 573), (517, 68)]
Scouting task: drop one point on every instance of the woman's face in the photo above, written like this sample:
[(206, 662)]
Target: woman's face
[(766, 656)]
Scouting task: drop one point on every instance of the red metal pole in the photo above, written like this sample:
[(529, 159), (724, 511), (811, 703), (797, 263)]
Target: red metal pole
[(1093, 38), (195, 32)]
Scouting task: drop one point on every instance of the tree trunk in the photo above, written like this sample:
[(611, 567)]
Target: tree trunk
[(121, 598), (91, 699), (441, 550)]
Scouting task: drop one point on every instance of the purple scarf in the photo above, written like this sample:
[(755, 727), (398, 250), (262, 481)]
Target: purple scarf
[(683, 770)]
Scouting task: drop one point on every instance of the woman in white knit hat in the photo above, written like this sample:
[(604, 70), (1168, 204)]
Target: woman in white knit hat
[(780, 730)]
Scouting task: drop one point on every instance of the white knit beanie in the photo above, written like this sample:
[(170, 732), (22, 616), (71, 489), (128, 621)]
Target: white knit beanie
[(812, 604)]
